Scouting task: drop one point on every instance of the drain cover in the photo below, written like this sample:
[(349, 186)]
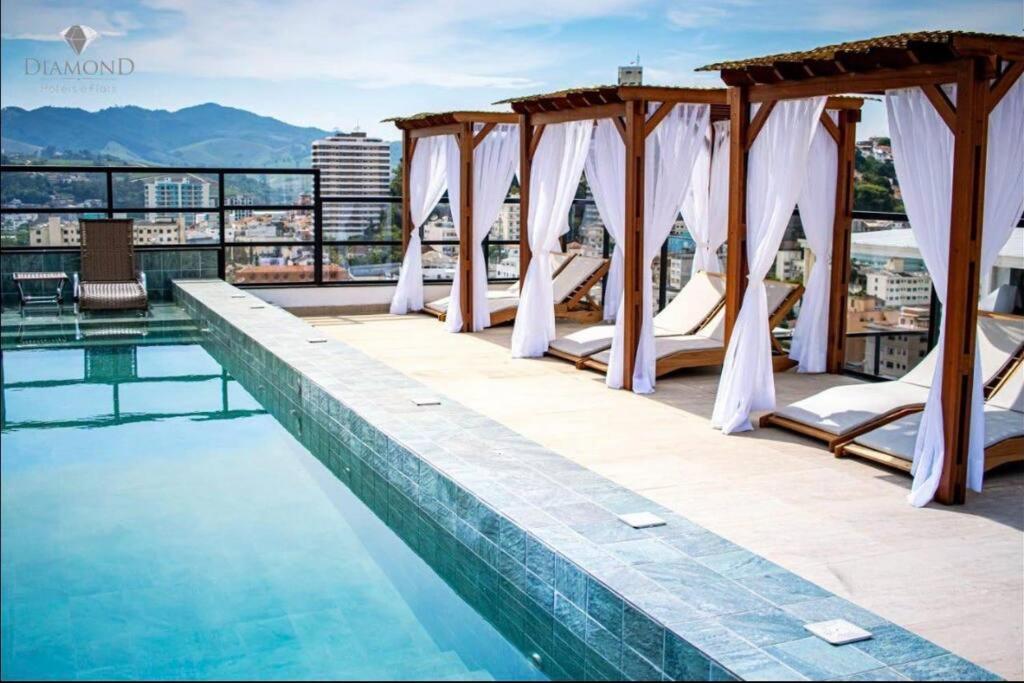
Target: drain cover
[(838, 631), (426, 401), (317, 340), (642, 520)]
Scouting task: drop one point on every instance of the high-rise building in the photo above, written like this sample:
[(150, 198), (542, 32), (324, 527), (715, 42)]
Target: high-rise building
[(175, 193), (353, 165)]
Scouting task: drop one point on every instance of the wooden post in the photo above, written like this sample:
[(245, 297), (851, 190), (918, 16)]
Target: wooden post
[(633, 245), (525, 161), (407, 227), (736, 264), (960, 314), (465, 227), (835, 354)]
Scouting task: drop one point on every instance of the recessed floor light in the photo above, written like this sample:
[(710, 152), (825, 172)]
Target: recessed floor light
[(642, 520), (838, 631)]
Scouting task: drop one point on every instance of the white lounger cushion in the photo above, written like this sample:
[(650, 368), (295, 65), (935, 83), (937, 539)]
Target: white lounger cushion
[(574, 274), (694, 302), (898, 438), (839, 410), (712, 335)]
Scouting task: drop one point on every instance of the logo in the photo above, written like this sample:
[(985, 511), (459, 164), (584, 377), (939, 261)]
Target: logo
[(93, 75), (79, 37)]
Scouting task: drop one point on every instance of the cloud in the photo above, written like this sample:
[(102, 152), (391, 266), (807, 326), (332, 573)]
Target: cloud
[(373, 44)]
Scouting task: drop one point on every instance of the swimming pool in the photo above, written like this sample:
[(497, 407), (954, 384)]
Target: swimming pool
[(159, 522)]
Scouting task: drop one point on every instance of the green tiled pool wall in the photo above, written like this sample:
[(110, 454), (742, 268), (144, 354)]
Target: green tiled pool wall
[(160, 266), (446, 541), (594, 598)]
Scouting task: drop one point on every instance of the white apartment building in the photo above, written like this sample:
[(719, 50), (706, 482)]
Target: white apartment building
[(353, 165), (899, 288), (175, 193)]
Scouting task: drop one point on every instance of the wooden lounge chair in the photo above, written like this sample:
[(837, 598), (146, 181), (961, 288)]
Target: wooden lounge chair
[(691, 309), (571, 292), (892, 444), (839, 415), (109, 281), (706, 346), (439, 307)]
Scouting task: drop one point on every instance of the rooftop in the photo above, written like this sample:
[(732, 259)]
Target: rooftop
[(840, 523)]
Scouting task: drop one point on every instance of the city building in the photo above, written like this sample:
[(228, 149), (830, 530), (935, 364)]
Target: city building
[(58, 233), (353, 165), (175, 193), (896, 287)]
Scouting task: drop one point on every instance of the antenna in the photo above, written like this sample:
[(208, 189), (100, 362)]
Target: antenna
[(637, 62)]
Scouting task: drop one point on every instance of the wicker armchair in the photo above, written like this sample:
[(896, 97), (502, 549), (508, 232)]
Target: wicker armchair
[(109, 281)]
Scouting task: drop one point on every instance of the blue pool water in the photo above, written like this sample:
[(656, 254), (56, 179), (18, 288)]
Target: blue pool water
[(157, 522)]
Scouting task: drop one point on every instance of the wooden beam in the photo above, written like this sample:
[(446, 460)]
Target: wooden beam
[(736, 258), (526, 148), (598, 111), (830, 125), (535, 136), (484, 117), (875, 81), (633, 247), (408, 149), (839, 277), (1004, 82), (447, 129), (465, 227), (620, 125), (946, 109), (482, 133), (662, 94), (760, 118), (660, 113), (960, 312)]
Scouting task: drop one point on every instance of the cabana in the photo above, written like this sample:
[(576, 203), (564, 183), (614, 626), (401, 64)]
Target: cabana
[(479, 149), (944, 92), (632, 114), (555, 139)]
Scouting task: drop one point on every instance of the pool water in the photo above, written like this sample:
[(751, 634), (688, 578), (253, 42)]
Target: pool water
[(158, 523)]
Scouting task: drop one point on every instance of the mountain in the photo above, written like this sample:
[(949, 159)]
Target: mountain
[(203, 135)]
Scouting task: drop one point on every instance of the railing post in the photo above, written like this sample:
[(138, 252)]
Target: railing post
[(221, 225), (318, 231), (663, 275), (110, 193)]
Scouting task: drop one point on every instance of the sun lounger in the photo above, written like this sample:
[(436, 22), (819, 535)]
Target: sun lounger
[(691, 308), (706, 346), (109, 281), (840, 414), (571, 292), (440, 307), (893, 443)]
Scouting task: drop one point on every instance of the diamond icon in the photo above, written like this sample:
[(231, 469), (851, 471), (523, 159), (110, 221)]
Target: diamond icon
[(79, 37)]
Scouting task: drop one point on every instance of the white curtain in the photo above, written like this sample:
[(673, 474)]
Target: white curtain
[(494, 164), (923, 156), (427, 180), (554, 177), (776, 167), (706, 206), (606, 175), (817, 214), (671, 151)]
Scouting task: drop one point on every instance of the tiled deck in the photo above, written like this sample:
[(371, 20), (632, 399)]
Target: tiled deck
[(952, 575)]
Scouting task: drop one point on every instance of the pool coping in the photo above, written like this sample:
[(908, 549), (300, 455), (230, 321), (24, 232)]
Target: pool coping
[(672, 602)]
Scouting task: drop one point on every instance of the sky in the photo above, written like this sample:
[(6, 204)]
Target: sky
[(339, 64)]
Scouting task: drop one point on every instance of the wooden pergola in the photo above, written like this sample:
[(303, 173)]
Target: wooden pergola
[(984, 67), (461, 124), (626, 106)]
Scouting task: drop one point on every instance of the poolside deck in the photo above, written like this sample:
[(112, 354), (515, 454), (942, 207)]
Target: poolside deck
[(952, 575)]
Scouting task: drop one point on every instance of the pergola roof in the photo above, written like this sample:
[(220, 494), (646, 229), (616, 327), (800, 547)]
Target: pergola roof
[(447, 118), (597, 95), (894, 51)]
